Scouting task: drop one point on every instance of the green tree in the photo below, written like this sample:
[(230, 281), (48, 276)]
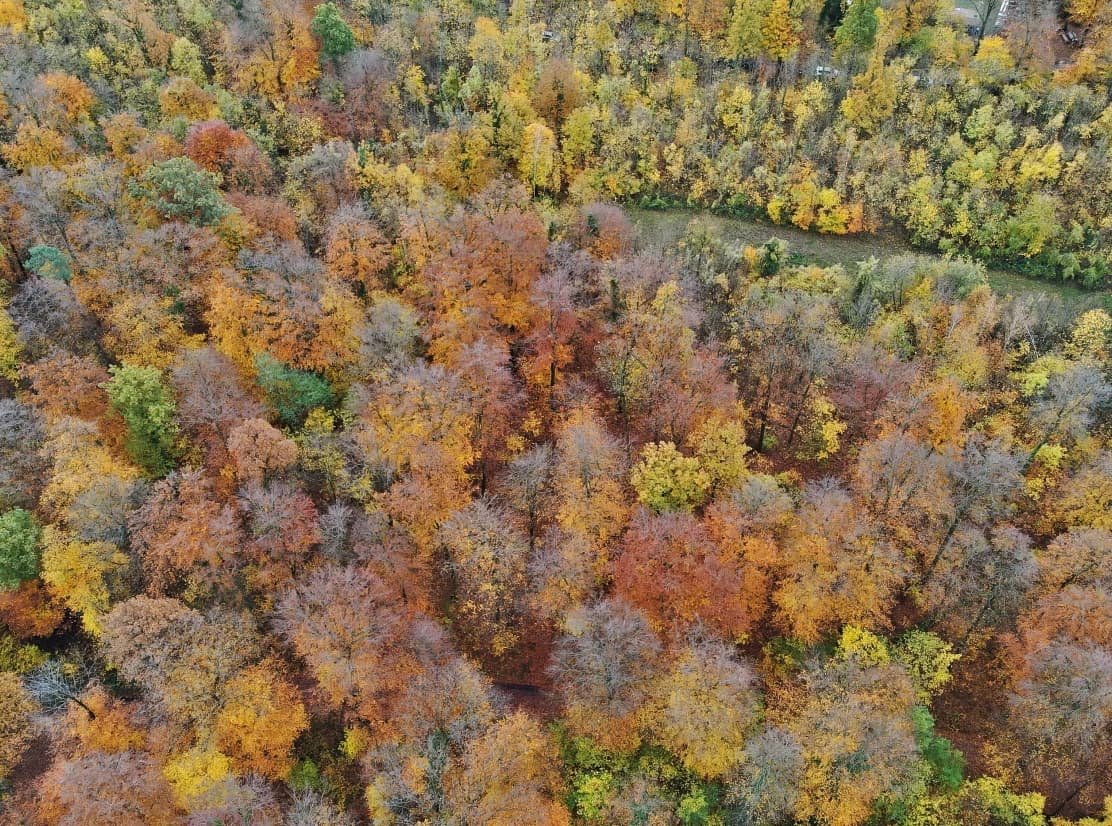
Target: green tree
[(290, 392), (743, 37), (146, 404), (19, 548), (48, 262), (185, 60), (857, 33), (336, 38), (665, 479), (178, 189)]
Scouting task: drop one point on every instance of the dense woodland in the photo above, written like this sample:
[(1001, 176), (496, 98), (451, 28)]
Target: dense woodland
[(359, 463)]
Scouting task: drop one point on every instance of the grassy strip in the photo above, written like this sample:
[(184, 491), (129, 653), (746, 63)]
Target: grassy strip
[(665, 227)]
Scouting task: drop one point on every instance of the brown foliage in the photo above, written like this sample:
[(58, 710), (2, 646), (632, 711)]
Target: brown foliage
[(259, 450), (30, 611), (281, 528), (16, 729), (124, 789), (186, 535), (671, 568), (217, 147), (361, 665)]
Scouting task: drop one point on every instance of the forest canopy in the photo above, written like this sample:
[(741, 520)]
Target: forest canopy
[(365, 460)]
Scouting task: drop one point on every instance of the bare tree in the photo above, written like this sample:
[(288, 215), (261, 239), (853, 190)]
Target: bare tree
[(54, 685)]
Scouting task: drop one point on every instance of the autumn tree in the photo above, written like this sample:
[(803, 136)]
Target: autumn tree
[(744, 37), (528, 482), (837, 568), (86, 576), (362, 666), (981, 581), (229, 153), (1075, 557), (258, 450), (322, 179), (125, 788), (603, 663), (182, 658), (779, 37), (260, 719), (30, 610), (1060, 705), (765, 786), (47, 314), (783, 351), (15, 721), (281, 523), (63, 384), (507, 776), (186, 535), (705, 707), (538, 162), (855, 729), (666, 480), (1085, 500), (1065, 408), (486, 558), (356, 250), (479, 269), (983, 483), (563, 571), (23, 467), (493, 398), (280, 308), (101, 722), (659, 378), (671, 568), (603, 229), (557, 92), (586, 475), (407, 775), (415, 434)]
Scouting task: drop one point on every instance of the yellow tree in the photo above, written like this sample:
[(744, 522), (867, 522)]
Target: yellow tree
[(872, 99), (744, 38), (81, 573), (837, 567), (586, 479), (15, 721), (538, 161), (261, 718), (666, 480), (855, 725), (704, 707), (779, 31), (10, 347), (508, 777)]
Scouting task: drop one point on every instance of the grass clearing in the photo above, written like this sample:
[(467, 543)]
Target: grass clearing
[(664, 228)]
